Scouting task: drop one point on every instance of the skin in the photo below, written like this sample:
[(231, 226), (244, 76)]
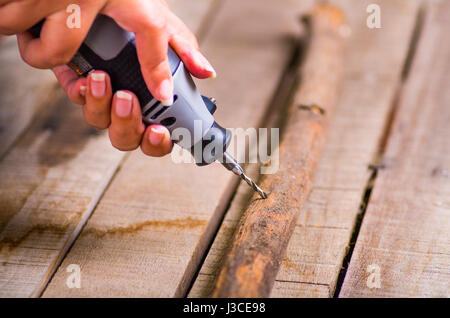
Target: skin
[(155, 27)]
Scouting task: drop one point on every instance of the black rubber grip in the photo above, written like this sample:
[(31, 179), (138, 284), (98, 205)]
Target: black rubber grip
[(124, 70)]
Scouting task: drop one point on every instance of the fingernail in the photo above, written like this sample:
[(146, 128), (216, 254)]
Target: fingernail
[(156, 135), (83, 90), (211, 70), (98, 85), (123, 104), (213, 74), (166, 92), (201, 59)]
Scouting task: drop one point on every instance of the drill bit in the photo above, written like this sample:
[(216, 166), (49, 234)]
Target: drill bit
[(231, 164)]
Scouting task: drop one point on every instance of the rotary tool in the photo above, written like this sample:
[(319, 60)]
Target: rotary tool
[(110, 48)]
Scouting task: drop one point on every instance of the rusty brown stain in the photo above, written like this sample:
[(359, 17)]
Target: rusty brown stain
[(262, 235), (267, 164), (329, 12), (11, 243), (291, 265), (314, 108), (133, 228), (249, 276)]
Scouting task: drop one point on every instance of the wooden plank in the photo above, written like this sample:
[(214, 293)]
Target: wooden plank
[(23, 92), (50, 182), (405, 234), (369, 87), (195, 14), (264, 231), (371, 76), (149, 231)]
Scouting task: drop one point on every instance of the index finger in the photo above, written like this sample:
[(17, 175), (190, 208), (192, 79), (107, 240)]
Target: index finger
[(148, 21)]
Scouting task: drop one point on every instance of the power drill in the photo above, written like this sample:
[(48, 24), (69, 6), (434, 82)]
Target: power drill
[(110, 48)]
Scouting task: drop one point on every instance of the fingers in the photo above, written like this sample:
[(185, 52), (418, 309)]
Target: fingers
[(122, 116), (127, 131), (17, 16), (194, 61), (152, 46), (121, 113), (97, 110), (57, 43), (155, 26), (156, 141), (185, 44), (147, 19), (74, 86), (126, 128)]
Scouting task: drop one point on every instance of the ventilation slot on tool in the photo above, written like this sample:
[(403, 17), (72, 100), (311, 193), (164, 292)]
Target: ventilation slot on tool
[(169, 121), (159, 112), (163, 109), (152, 108)]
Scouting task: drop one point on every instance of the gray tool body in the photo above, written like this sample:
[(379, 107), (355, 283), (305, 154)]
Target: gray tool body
[(110, 48)]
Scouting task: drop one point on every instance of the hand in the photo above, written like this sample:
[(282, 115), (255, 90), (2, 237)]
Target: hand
[(155, 27), (121, 112)]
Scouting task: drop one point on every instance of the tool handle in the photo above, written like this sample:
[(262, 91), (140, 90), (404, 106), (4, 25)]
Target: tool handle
[(124, 70), (109, 48)]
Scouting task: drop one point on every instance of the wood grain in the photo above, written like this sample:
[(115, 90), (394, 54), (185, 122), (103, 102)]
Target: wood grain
[(371, 79), (319, 243), (405, 232), (260, 240), (196, 14), (50, 182), (23, 92), (148, 233)]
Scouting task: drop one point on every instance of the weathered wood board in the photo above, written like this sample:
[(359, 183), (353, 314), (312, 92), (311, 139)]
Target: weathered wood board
[(403, 247), (23, 92), (149, 221), (50, 182), (319, 243), (316, 253), (148, 233), (196, 13), (261, 238)]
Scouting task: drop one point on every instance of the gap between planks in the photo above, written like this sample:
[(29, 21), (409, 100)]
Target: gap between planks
[(393, 17), (160, 260), (190, 18), (376, 165), (274, 117), (369, 86), (405, 233), (51, 180)]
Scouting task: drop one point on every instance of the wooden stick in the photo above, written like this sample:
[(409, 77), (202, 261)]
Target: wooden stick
[(261, 238)]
